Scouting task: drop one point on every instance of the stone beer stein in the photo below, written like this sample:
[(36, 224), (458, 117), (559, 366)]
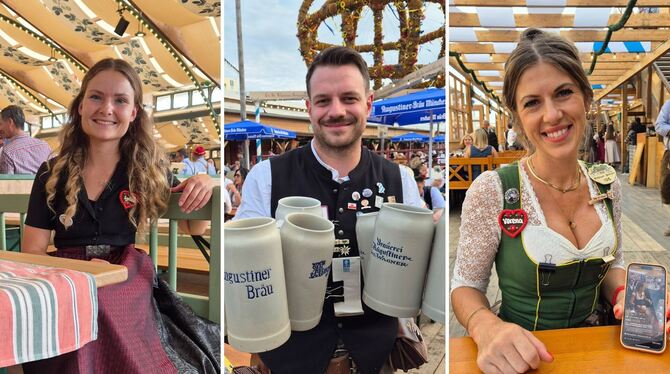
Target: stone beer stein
[(398, 260), (433, 297), (307, 244), (296, 204), (365, 230), (256, 309)]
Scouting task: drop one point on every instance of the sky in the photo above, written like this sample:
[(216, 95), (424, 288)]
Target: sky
[(272, 61)]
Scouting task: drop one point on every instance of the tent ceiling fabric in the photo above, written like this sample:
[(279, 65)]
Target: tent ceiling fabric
[(484, 32), (84, 29)]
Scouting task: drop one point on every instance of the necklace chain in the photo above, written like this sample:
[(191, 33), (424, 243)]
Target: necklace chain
[(571, 222), (573, 187)]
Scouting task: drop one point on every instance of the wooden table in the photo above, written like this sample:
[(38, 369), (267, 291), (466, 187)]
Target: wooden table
[(582, 351), (104, 273)]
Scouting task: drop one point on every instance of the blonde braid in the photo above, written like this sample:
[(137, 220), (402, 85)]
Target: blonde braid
[(72, 188)]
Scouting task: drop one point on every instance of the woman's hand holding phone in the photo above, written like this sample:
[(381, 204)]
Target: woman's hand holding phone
[(645, 322)]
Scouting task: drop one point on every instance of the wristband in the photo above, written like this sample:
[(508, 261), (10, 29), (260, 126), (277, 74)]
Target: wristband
[(467, 322), (616, 294)]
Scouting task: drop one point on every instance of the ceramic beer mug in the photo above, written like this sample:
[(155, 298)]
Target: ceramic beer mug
[(433, 297), (256, 309), (398, 260), (307, 244), (365, 230), (296, 204)]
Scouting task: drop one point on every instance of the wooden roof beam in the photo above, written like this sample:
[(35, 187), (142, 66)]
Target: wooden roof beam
[(569, 3), (640, 20), (578, 35), (644, 62)]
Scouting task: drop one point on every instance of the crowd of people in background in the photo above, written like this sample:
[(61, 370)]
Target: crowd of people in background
[(431, 183)]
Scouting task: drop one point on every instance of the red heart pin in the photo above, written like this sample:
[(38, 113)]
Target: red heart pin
[(512, 222), (126, 199)]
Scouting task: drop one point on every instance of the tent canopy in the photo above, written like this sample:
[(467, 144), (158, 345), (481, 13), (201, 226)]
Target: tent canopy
[(243, 130)]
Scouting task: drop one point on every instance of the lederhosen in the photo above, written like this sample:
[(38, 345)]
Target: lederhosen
[(369, 337), (541, 296)]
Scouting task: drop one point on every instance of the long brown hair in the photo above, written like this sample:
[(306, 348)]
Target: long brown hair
[(146, 161), (536, 46)]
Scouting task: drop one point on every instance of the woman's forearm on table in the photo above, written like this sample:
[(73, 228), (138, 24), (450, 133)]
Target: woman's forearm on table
[(471, 308), (35, 240)]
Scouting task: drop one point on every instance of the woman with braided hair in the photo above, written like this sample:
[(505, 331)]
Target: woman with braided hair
[(109, 181)]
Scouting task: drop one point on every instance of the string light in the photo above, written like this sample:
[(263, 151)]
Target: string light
[(45, 41)]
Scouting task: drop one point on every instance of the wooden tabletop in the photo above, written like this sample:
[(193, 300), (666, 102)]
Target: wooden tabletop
[(583, 350), (104, 273)]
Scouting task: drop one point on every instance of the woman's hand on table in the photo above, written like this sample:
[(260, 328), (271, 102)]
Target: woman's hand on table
[(196, 192), (508, 348)]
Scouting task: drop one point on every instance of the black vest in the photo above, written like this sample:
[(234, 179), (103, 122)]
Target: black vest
[(369, 337)]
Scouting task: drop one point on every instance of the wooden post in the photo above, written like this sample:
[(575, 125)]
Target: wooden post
[(624, 123), (647, 107), (468, 106)]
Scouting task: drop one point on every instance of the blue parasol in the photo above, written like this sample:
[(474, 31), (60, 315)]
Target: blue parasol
[(410, 137), (243, 130)]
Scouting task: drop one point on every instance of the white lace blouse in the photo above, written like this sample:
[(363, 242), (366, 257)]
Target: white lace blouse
[(480, 232)]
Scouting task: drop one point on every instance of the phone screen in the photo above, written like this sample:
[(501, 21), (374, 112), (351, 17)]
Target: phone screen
[(644, 311)]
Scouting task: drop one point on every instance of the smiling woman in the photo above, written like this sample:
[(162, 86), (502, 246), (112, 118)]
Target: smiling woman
[(110, 180), (556, 246)]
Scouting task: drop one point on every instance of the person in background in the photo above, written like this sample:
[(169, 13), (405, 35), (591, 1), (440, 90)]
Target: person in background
[(611, 147), (600, 145), (586, 151), (238, 179), (510, 138), (662, 128), (635, 128), (491, 136), (480, 148), (463, 145), (199, 164), (211, 166), (182, 157), (232, 191), (21, 154), (430, 195)]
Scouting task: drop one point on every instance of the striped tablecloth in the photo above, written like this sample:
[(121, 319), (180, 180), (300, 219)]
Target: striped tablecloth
[(44, 312)]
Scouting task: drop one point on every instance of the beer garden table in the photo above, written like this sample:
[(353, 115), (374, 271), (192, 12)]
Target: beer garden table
[(580, 350), (104, 273)]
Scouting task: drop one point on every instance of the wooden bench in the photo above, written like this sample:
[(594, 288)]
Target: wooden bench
[(460, 168)]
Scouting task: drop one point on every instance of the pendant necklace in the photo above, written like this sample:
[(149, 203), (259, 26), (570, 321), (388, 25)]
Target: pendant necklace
[(563, 190), (571, 222)]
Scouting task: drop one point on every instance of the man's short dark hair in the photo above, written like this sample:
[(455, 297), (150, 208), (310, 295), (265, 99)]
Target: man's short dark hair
[(339, 56), (15, 113), (182, 152)]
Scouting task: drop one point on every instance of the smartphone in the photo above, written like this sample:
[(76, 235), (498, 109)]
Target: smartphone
[(643, 325)]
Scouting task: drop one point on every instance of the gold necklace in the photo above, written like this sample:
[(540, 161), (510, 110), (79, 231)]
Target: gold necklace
[(563, 190), (571, 222)]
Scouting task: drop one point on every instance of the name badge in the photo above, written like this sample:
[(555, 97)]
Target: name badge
[(348, 270)]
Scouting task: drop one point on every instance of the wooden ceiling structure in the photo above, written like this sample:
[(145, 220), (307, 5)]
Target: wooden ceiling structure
[(48, 45), (482, 33)]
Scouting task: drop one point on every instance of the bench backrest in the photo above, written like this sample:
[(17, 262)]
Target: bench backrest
[(460, 168), (208, 307)]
